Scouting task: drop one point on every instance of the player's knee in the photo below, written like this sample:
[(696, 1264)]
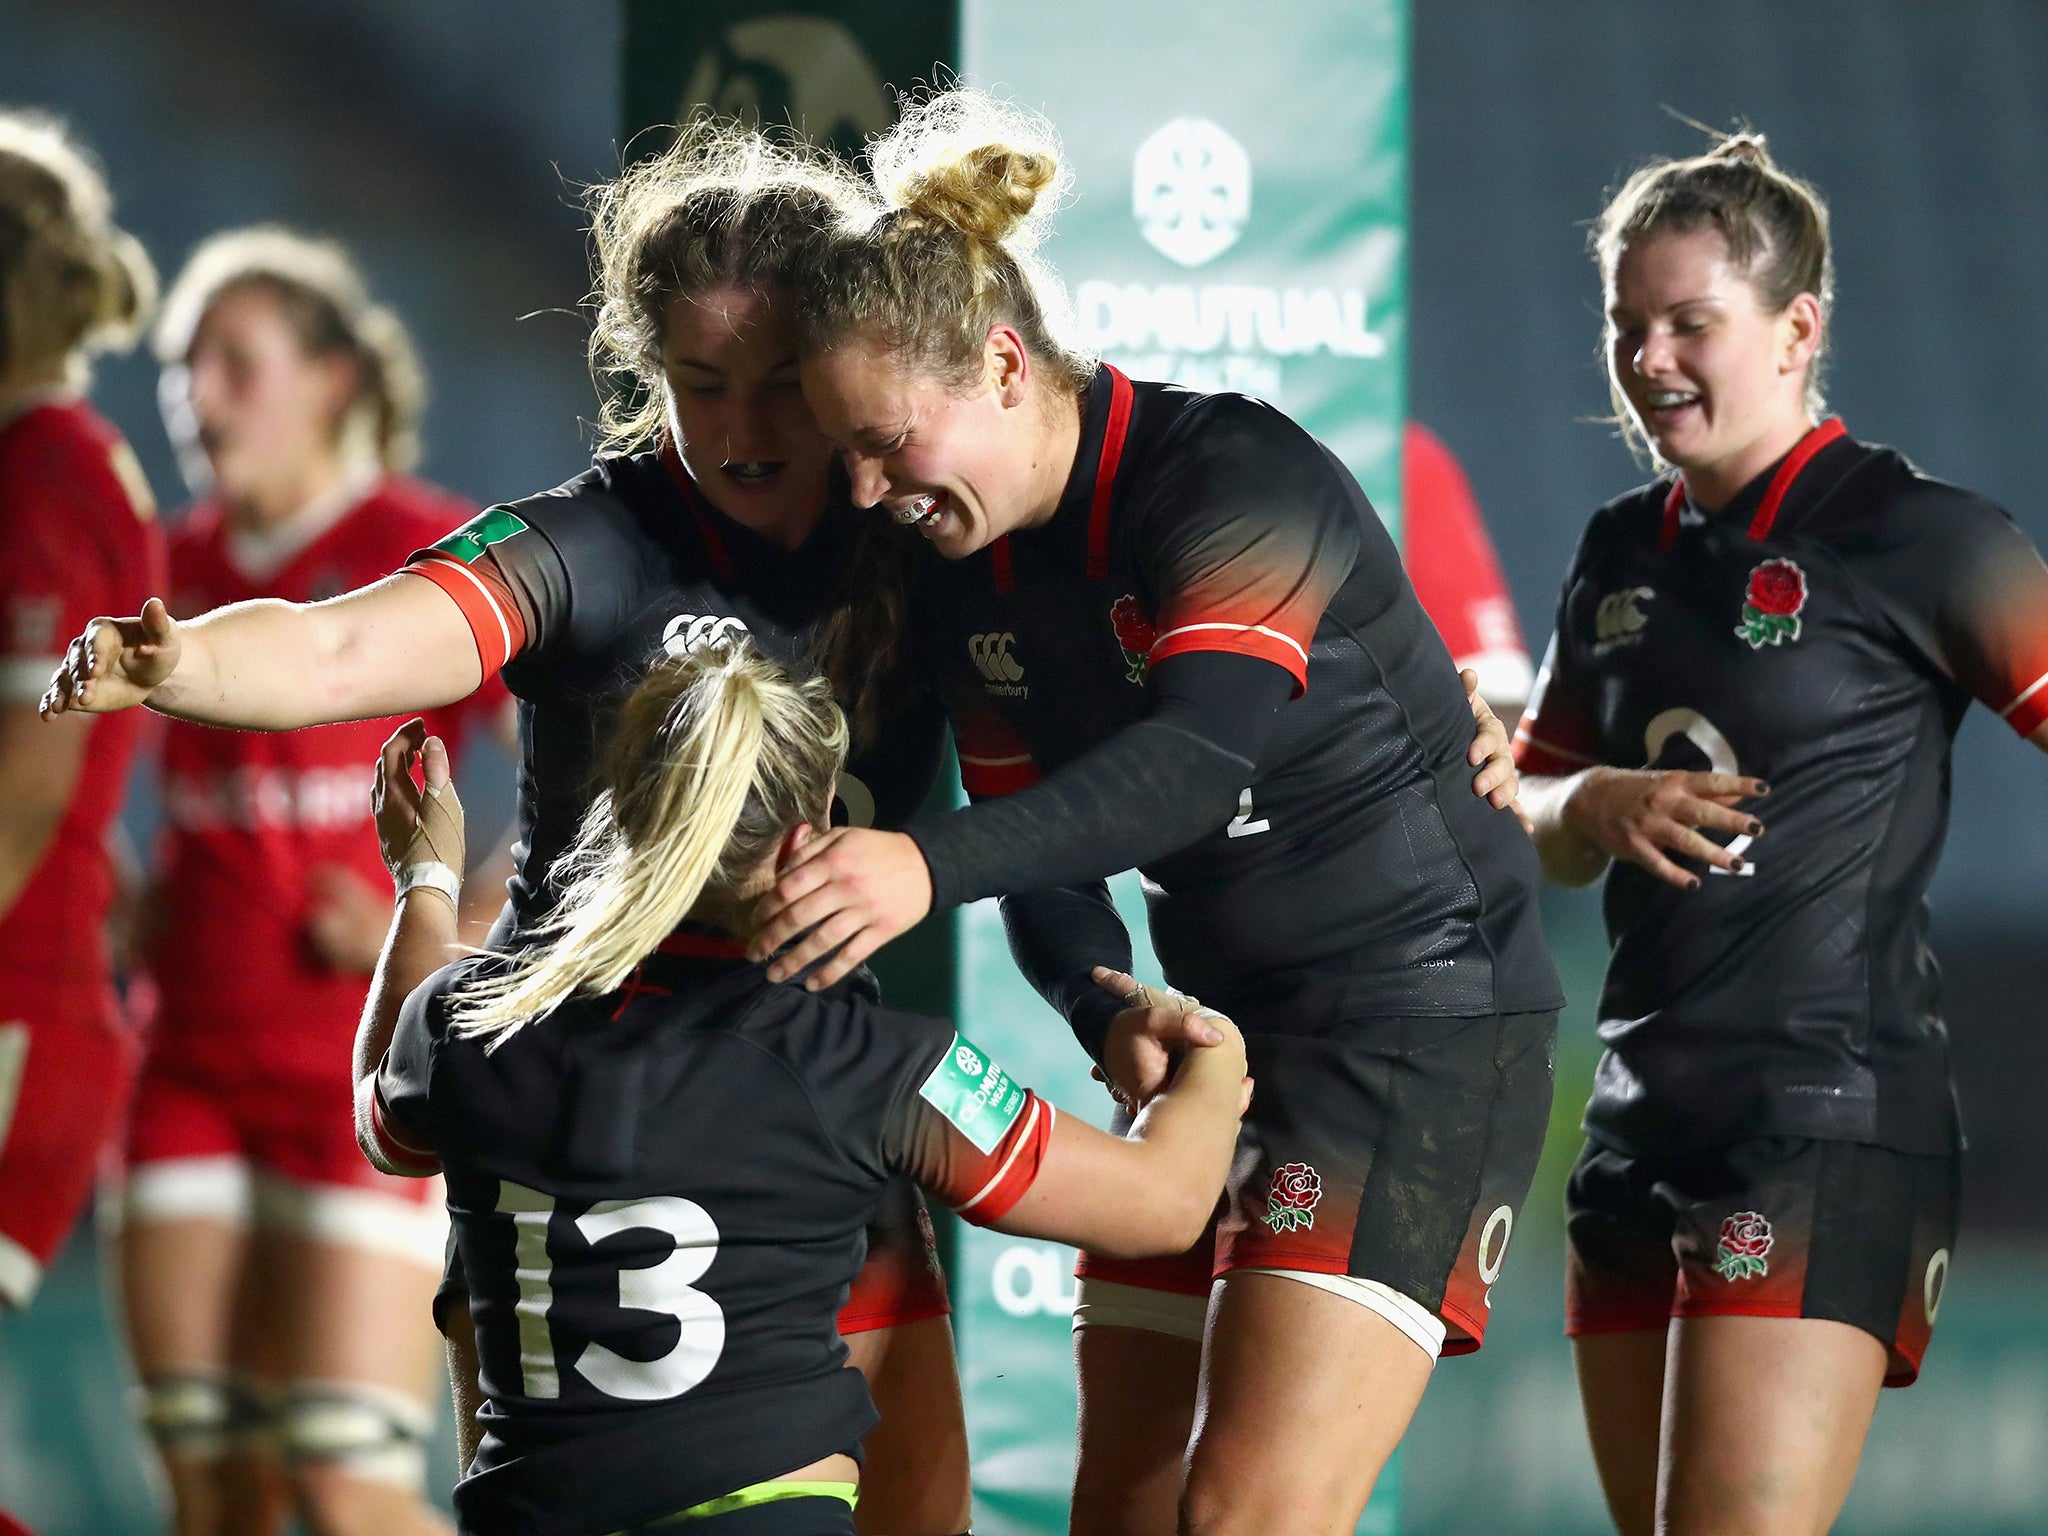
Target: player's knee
[(199, 1416), (351, 1447)]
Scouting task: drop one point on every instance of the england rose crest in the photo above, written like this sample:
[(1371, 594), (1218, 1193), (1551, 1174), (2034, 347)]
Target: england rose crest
[(1291, 1202), (1134, 633), (1770, 609), (1745, 1247)]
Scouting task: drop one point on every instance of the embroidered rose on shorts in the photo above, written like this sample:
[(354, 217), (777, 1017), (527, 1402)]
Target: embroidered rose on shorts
[(1770, 609), (1745, 1247), (1291, 1202), (1134, 633)]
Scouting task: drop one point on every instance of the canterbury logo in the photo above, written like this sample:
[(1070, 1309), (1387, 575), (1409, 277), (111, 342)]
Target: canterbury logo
[(1620, 617), (688, 632), (992, 656)]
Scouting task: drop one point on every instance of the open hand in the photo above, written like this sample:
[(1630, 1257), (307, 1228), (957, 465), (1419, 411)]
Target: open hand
[(115, 664), (1646, 815), (848, 892), (417, 823), (1493, 753)]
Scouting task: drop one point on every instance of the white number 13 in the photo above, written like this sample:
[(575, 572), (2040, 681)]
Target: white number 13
[(669, 1286)]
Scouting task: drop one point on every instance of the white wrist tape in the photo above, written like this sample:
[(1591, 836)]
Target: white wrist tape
[(435, 876)]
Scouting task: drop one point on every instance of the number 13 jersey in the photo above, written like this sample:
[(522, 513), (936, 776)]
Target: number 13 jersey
[(1824, 632)]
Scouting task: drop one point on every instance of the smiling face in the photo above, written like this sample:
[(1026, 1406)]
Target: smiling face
[(1714, 381), (963, 467), (737, 411), (265, 412)]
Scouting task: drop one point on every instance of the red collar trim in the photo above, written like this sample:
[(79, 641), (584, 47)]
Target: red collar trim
[(693, 497), (702, 946), (1121, 397), (1760, 525)]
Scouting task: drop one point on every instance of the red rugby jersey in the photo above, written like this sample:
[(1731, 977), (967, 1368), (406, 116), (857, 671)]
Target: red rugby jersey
[(1455, 572), (78, 537), (249, 816)]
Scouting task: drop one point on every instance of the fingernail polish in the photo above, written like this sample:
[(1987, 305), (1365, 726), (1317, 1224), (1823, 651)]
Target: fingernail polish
[(1754, 829), (1738, 865)]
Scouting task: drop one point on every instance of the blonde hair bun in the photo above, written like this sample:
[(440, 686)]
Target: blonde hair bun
[(987, 168)]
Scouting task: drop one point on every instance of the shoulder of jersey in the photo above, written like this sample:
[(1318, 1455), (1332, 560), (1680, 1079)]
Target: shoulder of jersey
[(72, 443)]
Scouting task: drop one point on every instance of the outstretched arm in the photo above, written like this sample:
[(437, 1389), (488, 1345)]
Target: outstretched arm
[(395, 647)]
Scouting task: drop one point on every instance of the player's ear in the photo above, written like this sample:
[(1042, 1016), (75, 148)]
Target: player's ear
[(792, 840)]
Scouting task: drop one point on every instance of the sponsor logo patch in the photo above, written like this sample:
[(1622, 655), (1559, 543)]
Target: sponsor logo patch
[(1291, 1202), (979, 1097), (1745, 1248), (688, 632), (1771, 606), (1191, 189), (1619, 619), (469, 542), (1002, 673)]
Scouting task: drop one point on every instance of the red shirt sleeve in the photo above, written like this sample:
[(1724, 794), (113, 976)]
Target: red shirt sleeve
[(486, 603), (1455, 571)]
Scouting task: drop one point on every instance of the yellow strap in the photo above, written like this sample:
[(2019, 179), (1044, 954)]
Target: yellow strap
[(765, 1493)]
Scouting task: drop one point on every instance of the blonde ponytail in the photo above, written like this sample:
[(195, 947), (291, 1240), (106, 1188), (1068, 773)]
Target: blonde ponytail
[(715, 756)]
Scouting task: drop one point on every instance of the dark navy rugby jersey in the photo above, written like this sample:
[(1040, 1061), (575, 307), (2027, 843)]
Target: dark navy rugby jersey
[(573, 593), (1824, 632), (659, 1199), (1360, 877)]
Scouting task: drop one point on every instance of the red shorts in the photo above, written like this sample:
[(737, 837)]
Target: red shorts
[(902, 1280), (67, 1066), (1775, 1227), (229, 1142)]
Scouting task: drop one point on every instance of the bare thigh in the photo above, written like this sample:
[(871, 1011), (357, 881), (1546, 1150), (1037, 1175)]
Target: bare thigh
[(1137, 1415), (1764, 1422), (1304, 1396), (1621, 1388), (915, 1480)]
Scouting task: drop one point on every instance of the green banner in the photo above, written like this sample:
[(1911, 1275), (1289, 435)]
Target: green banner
[(1241, 208)]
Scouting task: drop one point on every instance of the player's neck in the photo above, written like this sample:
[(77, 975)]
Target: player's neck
[(296, 492), (1710, 487), (1054, 451)]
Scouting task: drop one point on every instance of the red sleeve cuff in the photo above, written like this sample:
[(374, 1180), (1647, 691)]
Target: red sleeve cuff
[(402, 1155), (2027, 713), (1535, 755), (1259, 640), (493, 623), (1017, 1159)]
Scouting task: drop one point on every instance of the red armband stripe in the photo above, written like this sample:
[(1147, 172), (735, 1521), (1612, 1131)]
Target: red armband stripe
[(398, 1152), (499, 635), (1018, 1170), (986, 778), (1259, 640), (2029, 711), (1535, 755)]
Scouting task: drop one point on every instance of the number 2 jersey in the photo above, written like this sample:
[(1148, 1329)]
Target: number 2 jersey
[(659, 1199), (1361, 877), (1824, 632), (575, 592)]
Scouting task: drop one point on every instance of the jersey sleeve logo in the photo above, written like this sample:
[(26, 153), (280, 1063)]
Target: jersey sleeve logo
[(469, 542), (979, 1097), (1134, 632), (1619, 619), (1771, 607)]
